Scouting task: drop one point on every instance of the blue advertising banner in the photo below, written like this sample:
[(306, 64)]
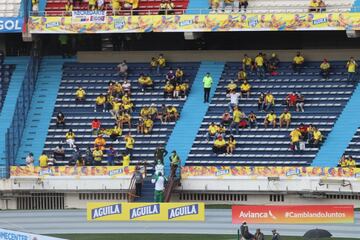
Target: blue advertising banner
[(11, 24)]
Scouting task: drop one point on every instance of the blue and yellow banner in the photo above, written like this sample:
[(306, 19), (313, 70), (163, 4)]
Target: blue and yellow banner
[(118, 211), (199, 23)]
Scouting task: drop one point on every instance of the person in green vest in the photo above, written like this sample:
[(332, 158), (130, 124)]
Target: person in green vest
[(159, 181), (207, 82), (174, 162), (64, 43)]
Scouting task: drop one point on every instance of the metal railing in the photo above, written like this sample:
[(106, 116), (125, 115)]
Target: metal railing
[(15, 131), (199, 11)]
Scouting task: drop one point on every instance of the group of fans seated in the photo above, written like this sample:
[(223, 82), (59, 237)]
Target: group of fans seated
[(347, 161), (100, 5), (234, 118), (228, 5), (117, 101)]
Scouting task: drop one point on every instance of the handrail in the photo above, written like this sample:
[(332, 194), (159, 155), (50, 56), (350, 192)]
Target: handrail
[(171, 184), (201, 11)]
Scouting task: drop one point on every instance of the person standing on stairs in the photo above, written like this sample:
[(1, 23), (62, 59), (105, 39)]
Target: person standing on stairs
[(207, 82), (159, 154)]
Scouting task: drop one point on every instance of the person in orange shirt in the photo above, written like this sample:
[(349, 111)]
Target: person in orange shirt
[(100, 143)]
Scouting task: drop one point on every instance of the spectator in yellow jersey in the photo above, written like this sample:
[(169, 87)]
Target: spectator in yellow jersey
[(172, 114), (100, 102), (184, 90), (148, 125), (129, 143), (295, 136), (179, 74), (97, 156), (219, 146), (313, 6), (43, 160), (260, 66), (126, 159), (231, 144), (176, 92), (70, 138), (92, 5), (124, 118), (351, 66), (168, 90), (153, 111), (100, 142), (245, 89), (325, 69), (162, 7), (115, 6), (145, 81), (116, 108), (298, 62), (80, 94), (273, 64), (241, 76), (212, 132), (161, 62), (350, 162), (115, 133), (343, 161), (153, 63), (269, 102), (317, 138), (285, 118), (235, 120), (270, 118), (231, 87), (145, 112), (247, 63), (68, 6)]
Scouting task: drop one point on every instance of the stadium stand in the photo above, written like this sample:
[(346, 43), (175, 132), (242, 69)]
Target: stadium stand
[(356, 6), (10, 8), (324, 101), (5, 76), (353, 148), (94, 79), (145, 6)]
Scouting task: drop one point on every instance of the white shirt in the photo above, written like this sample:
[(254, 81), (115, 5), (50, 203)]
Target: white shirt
[(234, 98), (159, 168), (126, 86), (159, 183), (29, 161)]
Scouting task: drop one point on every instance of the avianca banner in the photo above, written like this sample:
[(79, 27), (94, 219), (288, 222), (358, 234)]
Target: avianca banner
[(195, 23), (119, 211), (293, 214)]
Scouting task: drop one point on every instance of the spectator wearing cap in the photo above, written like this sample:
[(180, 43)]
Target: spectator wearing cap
[(207, 83), (325, 69), (273, 64), (275, 235), (30, 160)]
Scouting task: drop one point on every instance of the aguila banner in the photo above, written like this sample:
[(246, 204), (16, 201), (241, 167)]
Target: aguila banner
[(97, 22), (293, 214), (122, 211)]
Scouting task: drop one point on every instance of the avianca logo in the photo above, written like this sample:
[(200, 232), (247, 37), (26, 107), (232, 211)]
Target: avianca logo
[(260, 215), (144, 211), (183, 211), (106, 211)]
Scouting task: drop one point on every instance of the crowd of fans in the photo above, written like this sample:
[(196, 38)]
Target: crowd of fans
[(234, 118), (228, 5), (118, 103)]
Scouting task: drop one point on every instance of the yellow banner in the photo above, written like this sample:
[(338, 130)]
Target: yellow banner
[(118, 211), (254, 172), (72, 171), (200, 23)]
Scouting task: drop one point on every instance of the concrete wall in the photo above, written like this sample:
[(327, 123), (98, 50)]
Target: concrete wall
[(195, 56)]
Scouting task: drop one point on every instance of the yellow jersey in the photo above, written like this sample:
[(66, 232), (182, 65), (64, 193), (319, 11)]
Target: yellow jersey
[(295, 135), (97, 154), (269, 99), (259, 61), (317, 135), (43, 160), (231, 86), (100, 100), (126, 160), (298, 59), (80, 93), (245, 87), (324, 66), (70, 135), (129, 142), (285, 116), (247, 61), (351, 65), (231, 143), (212, 129), (270, 117), (236, 116), (219, 143)]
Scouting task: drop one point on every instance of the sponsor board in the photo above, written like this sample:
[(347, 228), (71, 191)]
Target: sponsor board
[(221, 172), (306, 214), (112, 211), (97, 22), (72, 171), (15, 235), (11, 24)]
